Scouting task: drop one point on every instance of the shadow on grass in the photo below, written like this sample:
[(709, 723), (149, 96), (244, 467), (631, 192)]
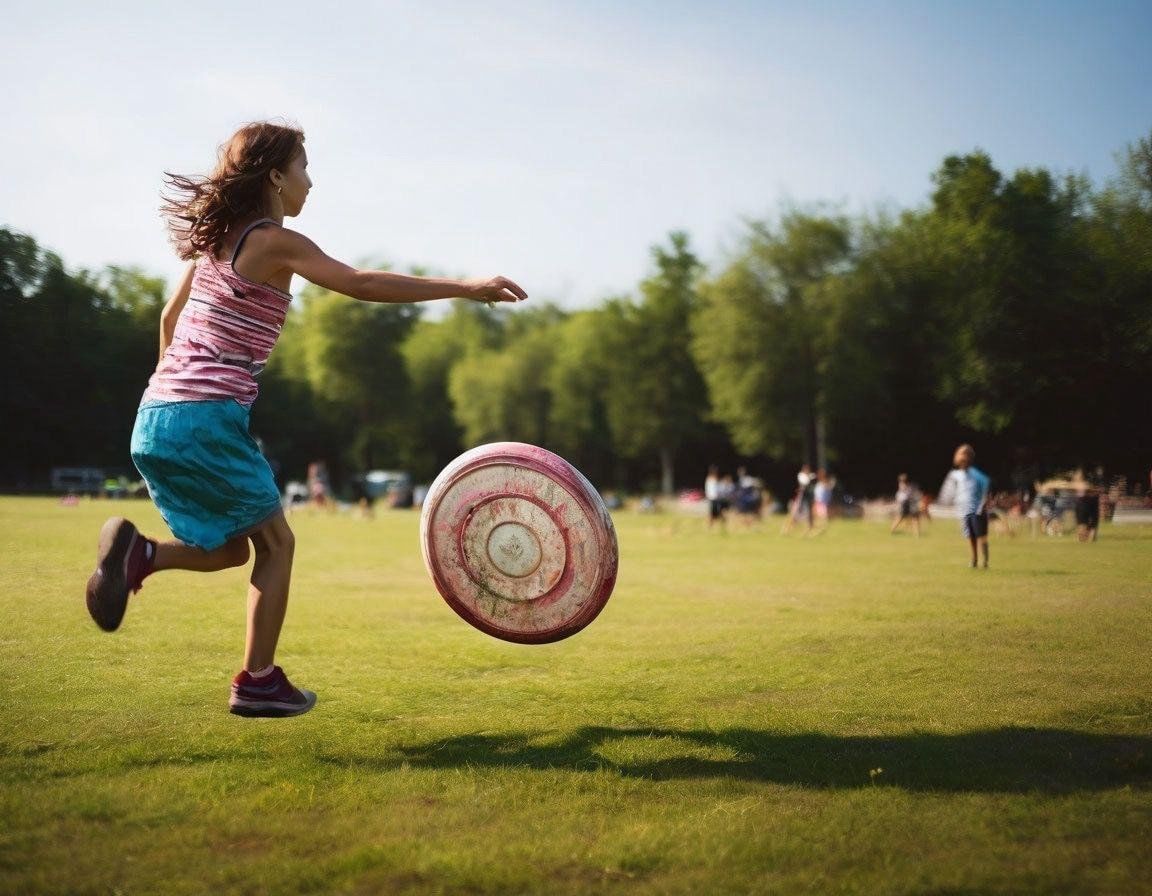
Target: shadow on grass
[(1005, 760)]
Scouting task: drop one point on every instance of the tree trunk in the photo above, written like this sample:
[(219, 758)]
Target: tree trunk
[(821, 445), (815, 440), (667, 480), (811, 440)]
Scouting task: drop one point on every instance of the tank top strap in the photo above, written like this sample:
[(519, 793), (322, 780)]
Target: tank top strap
[(244, 236)]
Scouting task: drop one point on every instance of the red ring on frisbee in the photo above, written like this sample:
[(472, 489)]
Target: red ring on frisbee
[(518, 543)]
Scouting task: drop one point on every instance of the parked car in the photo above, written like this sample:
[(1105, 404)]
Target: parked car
[(846, 506), (295, 495), (1055, 504), (78, 480), (395, 487)]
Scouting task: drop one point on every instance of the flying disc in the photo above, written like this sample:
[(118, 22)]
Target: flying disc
[(519, 543)]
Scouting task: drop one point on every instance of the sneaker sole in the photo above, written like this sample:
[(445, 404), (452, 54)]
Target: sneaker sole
[(259, 709), (107, 591)]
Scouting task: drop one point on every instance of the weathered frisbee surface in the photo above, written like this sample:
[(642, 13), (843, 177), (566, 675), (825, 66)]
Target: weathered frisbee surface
[(519, 543)]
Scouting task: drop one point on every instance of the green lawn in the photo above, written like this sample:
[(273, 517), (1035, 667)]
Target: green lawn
[(856, 713)]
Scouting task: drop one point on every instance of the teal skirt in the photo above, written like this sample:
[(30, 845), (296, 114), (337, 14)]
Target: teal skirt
[(204, 470)]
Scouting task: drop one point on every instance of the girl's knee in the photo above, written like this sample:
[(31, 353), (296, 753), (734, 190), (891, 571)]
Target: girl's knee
[(274, 537), (238, 552)]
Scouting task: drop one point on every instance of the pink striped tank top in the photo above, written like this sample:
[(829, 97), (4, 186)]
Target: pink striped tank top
[(223, 337)]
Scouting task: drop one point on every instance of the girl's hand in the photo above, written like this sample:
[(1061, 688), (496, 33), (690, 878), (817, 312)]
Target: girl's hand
[(498, 289)]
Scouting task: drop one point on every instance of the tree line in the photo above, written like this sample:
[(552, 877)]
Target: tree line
[(1011, 311)]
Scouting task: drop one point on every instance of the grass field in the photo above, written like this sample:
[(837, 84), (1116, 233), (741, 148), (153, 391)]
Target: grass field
[(857, 713)]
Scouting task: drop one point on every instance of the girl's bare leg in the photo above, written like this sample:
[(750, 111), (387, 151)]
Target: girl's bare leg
[(274, 546), (124, 558), (177, 555)]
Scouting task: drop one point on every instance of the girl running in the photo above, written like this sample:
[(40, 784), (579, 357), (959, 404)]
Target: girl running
[(191, 442)]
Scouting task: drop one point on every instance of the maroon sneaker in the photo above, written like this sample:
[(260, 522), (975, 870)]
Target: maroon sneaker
[(273, 695), (124, 557)]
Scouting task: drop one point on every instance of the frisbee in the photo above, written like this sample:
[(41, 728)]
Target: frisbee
[(518, 543)]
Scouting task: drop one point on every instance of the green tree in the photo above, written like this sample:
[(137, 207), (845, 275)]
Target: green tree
[(502, 394), (1017, 283), (356, 373), (75, 360), (587, 345), (431, 351), (762, 334), (1114, 319), (22, 269), (655, 397), (136, 292)]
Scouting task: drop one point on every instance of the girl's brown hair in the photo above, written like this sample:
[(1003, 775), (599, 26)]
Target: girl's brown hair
[(201, 209)]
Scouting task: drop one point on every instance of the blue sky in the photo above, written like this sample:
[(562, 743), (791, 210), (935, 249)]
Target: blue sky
[(551, 142)]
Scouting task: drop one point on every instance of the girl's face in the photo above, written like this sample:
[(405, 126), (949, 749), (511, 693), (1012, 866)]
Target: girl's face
[(294, 184)]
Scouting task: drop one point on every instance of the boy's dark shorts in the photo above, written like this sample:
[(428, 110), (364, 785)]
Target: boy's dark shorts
[(975, 525), (1088, 511)]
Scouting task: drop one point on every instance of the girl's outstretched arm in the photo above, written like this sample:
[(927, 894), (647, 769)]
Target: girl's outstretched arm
[(173, 307), (302, 256)]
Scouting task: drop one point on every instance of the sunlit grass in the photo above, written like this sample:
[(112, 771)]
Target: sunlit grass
[(853, 713)]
